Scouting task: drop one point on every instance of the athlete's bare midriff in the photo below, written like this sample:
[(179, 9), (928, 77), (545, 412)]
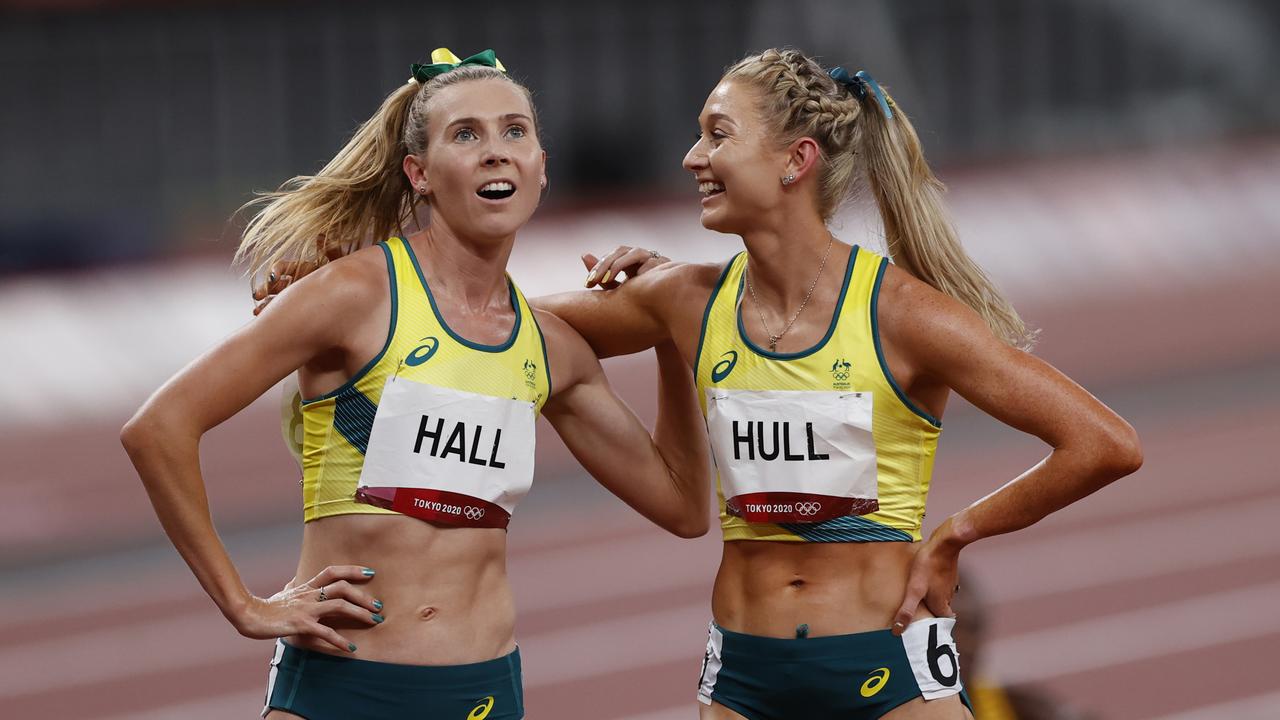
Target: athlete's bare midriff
[(769, 588), (444, 590)]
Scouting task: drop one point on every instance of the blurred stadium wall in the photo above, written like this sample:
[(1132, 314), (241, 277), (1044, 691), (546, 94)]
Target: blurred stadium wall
[(133, 128)]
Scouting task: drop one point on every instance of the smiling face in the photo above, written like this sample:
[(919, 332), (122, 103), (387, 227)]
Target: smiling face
[(484, 166), (735, 161)]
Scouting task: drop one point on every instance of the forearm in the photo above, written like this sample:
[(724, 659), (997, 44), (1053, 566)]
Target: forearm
[(609, 320), (167, 461), (1065, 476), (680, 433)]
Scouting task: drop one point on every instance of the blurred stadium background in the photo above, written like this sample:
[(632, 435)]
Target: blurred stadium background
[(1114, 164)]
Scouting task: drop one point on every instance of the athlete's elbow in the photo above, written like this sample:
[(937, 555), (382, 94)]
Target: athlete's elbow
[(690, 526), (1121, 453), (136, 433), (142, 433)]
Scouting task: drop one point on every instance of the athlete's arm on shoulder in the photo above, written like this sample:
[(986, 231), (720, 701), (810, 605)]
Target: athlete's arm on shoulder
[(663, 303), (666, 478), (945, 341)]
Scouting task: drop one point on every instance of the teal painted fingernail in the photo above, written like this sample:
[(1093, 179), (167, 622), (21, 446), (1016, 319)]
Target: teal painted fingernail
[(377, 604), (378, 618), (351, 647), (367, 572)]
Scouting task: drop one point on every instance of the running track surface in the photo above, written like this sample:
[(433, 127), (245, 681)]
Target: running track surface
[(1152, 599)]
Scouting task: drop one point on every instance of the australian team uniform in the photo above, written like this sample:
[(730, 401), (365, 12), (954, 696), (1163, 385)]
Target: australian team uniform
[(436, 427), (818, 446)]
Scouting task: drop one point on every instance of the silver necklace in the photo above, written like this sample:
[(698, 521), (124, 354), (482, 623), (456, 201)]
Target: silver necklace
[(773, 339)]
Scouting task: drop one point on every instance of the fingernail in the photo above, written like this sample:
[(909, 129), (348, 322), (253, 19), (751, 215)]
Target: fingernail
[(351, 647), (591, 276), (606, 277), (367, 572), (378, 618), (377, 604)]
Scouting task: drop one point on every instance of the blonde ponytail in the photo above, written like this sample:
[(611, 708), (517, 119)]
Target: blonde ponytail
[(918, 233), (361, 193)]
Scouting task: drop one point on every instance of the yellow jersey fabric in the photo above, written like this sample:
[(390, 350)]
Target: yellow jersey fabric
[(848, 357), (423, 348)]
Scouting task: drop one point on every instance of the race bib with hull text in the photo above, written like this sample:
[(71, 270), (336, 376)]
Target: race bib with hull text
[(793, 456), (448, 456)]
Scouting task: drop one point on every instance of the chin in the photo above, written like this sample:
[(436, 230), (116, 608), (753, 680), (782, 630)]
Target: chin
[(718, 223), (505, 224)]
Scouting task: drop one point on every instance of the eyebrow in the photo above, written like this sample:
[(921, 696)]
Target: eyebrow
[(477, 121), (718, 116)]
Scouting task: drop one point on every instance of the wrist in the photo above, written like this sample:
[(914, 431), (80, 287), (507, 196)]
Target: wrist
[(955, 532), (236, 607)]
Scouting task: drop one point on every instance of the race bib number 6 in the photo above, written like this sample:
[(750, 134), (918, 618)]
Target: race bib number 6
[(934, 659)]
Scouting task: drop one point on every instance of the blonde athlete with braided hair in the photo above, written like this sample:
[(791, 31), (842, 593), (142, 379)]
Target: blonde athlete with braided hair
[(823, 371), (424, 369)]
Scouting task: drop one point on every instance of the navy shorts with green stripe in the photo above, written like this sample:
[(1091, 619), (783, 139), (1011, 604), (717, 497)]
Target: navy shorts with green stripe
[(318, 686), (854, 677)]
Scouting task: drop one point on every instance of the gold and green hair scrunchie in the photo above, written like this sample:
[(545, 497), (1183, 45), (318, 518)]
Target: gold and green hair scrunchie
[(443, 60)]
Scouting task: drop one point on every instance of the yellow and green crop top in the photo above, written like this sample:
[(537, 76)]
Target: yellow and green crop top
[(336, 426), (848, 359)]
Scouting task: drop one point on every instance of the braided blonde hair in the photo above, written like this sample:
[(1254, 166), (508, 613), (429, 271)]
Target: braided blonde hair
[(362, 195), (799, 99)]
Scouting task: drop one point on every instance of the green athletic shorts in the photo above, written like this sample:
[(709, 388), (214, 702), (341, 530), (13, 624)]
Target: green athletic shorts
[(319, 686), (863, 675)]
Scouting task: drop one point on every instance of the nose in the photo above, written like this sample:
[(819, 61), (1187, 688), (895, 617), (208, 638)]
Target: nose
[(695, 159), (495, 155)]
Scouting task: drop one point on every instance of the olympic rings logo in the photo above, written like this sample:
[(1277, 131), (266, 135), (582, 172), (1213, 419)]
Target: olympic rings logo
[(473, 513), (808, 507), (840, 375)]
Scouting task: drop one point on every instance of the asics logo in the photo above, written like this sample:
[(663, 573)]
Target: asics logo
[(473, 513), (875, 683), (481, 710), (722, 369), (808, 508), (423, 352)]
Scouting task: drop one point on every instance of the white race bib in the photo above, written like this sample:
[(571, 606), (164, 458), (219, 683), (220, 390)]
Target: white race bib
[(793, 456), (448, 456)]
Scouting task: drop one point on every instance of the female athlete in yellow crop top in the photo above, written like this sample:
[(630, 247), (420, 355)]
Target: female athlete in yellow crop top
[(823, 372), (423, 369)]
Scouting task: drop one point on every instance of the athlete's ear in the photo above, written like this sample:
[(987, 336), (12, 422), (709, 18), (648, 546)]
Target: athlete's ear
[(802, 156), (416, 171), (542, 175)]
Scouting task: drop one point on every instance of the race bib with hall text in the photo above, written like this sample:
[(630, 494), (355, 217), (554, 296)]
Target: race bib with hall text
[(448, 456), (789, 456)]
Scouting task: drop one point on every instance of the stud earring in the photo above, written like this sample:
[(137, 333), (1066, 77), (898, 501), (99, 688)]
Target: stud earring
[(422, 189), (788, 179)]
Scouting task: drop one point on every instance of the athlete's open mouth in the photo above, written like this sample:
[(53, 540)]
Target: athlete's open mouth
[(710, 187), (497, 190)]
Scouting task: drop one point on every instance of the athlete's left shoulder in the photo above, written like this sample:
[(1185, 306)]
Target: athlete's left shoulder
[(908, 304)]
